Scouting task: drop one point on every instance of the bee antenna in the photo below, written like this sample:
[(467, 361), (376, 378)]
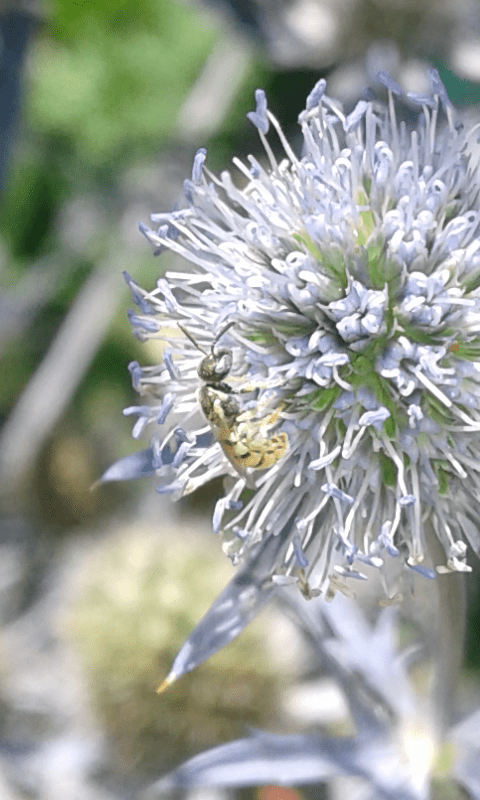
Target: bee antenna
[(223, 330), (193, 341)]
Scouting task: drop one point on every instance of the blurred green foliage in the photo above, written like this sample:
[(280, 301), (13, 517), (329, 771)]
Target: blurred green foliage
[(103, 86), (110, 77)]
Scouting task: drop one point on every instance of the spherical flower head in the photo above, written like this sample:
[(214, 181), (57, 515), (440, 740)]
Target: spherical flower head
[(322, 349)]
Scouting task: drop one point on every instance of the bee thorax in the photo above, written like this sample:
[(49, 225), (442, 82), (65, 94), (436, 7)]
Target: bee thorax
[(220, 409)]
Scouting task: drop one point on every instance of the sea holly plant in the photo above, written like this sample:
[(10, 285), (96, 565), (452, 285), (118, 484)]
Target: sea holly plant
[(322, 353), (397, 750)]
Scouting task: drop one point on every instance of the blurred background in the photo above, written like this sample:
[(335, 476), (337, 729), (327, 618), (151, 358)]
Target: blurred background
[(103, 106)]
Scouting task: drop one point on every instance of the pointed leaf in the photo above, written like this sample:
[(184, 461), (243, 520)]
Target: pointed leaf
[(241, 600), (137, 465), (264, 759)]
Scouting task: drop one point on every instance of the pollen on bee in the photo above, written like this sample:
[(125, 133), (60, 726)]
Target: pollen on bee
[(257, 453)]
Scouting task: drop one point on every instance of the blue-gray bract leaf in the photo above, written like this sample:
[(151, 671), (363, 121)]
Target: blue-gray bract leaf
[(137, 465), (241, 600), (262, 759)]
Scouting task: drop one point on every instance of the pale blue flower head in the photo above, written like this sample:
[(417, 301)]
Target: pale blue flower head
[(337, 293)]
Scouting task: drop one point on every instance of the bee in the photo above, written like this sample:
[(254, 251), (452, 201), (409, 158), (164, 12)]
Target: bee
[(243, 439), (248, 445)]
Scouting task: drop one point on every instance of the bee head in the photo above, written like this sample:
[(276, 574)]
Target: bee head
[(216, 366)]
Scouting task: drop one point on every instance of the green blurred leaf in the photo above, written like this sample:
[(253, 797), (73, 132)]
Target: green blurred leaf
[(112, 77)]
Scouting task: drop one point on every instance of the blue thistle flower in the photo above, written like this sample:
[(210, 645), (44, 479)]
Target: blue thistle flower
[(335, 299)]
